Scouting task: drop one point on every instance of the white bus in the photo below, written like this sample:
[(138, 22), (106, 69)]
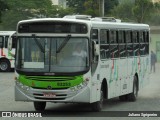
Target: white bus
[(112, 60), (6, 59)]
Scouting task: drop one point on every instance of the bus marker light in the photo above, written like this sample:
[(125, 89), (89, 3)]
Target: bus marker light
[(72, 89), (87, 79), (15, 78), (33, 84), (79, 87)]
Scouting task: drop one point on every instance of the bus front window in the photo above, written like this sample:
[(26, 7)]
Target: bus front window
[(43, 54)]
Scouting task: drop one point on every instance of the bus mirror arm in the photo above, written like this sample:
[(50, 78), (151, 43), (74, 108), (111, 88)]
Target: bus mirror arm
[(95, 51), (95, 48)]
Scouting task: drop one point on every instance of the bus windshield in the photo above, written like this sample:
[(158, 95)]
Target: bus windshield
[(40, 54)]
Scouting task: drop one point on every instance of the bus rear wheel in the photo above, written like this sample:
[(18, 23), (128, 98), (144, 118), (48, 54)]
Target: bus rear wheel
[(123, 98), (39, 106), (133, 96), (97, 106), (4, 65)]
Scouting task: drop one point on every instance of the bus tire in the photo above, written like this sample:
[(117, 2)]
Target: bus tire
[(97, 106), (123, 98), (133, 96), (39, 106), (5, 65)]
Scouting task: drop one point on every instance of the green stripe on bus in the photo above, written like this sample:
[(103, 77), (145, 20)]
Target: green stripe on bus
[(55, 83)]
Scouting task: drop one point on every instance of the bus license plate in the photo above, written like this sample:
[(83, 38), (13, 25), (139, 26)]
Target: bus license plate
[(50, 95)]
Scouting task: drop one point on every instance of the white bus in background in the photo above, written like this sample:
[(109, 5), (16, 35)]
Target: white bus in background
[(114, 61), (6, 57)]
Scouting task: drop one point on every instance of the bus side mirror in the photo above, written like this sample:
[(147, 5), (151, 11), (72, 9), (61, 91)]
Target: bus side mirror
[(10, 43), (95, 49)]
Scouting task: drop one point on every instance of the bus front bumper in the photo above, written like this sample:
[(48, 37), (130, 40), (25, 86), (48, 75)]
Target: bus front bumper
[(61, 96)]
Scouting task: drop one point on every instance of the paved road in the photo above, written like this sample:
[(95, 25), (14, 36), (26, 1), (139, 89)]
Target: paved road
[(148, 100)]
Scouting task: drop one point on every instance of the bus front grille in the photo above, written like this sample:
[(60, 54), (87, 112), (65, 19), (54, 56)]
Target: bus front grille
[(49, 98), (49, 78), (51, 95)]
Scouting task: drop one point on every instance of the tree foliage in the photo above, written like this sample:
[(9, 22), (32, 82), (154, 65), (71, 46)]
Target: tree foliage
[(34, 7), (109, 5), (3, 7), (139, 11), (123, 11), (155, 16), (92, 7), (142, 10), (24, 9), (77, 6), (12, 11)]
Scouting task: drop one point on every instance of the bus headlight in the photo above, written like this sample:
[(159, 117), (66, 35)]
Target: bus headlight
[(73, 89), (84, 83), (24, 87), (79, 86)]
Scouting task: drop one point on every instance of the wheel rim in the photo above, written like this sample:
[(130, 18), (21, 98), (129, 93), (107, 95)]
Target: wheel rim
[(3, 66)]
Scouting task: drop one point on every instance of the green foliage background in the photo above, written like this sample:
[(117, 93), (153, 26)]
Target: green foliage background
[(142, 11)]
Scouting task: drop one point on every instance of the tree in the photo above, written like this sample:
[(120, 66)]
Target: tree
[(77, 6), (89, 7), (3, 7), (92, 7), (142, 10), (138, 11), (24, 9), (155, 16), (58, 11), (34, 7), (109, 5), (123, 11)]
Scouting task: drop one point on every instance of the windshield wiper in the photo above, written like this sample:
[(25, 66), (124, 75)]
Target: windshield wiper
[(39, 45), (63, 43)]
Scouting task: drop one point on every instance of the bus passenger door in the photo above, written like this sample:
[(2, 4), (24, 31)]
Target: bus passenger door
[(95, 71)]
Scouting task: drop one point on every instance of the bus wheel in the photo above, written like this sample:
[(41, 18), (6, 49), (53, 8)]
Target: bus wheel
[(97, 106), (123, 98), (133, 96), (39, 106), (4, 65)]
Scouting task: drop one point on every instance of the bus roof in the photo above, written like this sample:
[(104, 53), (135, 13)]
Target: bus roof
[(95, 24), (7, 32)]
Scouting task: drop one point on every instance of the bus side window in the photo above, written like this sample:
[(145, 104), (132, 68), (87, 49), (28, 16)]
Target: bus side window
[(146, 39), (122, 45), (128, 36), (142, 43), (121, 37), (113, 36), (14, 42), (135, 39), (104, 44), (104, 37), (146, 42), (1, 42), (6, 41), (114, 50), (141, 37)]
